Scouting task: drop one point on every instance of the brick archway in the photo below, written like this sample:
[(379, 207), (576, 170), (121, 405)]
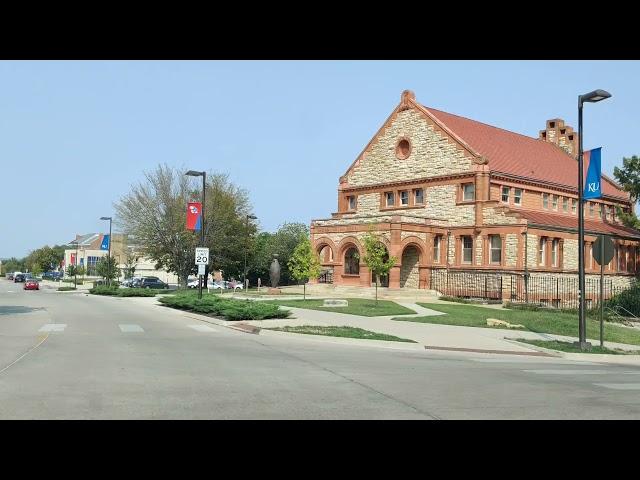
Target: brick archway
[(413, 263), (320, 245)]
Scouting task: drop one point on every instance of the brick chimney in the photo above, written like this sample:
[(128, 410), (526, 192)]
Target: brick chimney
[(562, 135)]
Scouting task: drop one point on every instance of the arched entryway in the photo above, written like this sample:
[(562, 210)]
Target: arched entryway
[(383, 281), (409, 268)]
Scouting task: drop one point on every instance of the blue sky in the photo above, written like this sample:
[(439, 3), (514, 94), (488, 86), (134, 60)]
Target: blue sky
[(75, 135)]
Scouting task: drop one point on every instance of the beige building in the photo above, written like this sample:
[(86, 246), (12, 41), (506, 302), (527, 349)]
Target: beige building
[(89, 253)]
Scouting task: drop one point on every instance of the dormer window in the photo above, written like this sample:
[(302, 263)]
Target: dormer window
[(352, 202)]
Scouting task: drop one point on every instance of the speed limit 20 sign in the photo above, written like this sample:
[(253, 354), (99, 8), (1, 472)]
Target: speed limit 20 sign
[(202, 256)]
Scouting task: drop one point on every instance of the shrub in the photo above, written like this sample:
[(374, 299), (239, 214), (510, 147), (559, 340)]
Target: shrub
[(66, 289), (122, 292), (628, 299), (228, 308)]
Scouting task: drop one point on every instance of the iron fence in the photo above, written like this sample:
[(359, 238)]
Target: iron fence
[(552, 290)]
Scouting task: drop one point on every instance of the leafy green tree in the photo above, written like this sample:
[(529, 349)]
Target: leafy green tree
[(283, 242), (71, 271), (629, 177), (107, 268), (154, 213), (376, 258), (36, 269), (130, 264), (304, 264), (13, 265)]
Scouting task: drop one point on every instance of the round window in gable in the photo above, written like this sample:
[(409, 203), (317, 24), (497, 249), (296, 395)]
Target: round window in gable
[(403, 149)]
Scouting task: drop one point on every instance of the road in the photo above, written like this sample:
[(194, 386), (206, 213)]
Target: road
[(75, 356)]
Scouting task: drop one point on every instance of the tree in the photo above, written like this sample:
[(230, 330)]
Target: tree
[(36, 270), (376, 258), (131, 262), (629, 177), (107, 268), (283, 242), (71, 271), (154, 213), (304, 264)]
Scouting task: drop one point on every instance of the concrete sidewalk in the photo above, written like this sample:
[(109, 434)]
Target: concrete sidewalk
[(427, 334)]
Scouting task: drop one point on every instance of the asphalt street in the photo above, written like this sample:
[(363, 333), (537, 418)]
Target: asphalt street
[(76, 356)]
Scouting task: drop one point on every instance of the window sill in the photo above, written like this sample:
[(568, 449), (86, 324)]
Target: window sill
[(401, 207), (465, 202), (350, 275)]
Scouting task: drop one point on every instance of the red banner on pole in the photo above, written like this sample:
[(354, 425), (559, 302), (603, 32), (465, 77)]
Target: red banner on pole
[(194, 215)]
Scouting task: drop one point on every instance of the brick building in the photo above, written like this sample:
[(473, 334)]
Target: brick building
[(448, 194)]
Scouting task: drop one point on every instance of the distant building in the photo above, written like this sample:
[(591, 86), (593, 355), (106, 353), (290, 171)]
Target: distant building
[(89, 253)]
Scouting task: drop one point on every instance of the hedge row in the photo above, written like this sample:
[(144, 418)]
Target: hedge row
[(227, 308), (123, 292), (629, 300)]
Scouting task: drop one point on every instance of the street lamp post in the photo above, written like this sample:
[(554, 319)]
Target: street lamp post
[(109, 254), (193, 173), (246, 248), (591, 97), (75, 267)]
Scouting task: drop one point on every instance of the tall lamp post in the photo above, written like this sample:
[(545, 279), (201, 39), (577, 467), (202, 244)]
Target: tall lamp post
[(193, 173), (591, 97), (75, 266), (109, 254), (246, 247)]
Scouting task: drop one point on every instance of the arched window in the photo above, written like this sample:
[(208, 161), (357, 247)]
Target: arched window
[(352, 262)]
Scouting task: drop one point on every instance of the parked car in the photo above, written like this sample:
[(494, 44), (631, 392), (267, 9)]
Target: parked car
[(52, 276), (235, 285), (19, 278), (135, 282), (128, 282), (10, 275), (152, 282), (31, 284)]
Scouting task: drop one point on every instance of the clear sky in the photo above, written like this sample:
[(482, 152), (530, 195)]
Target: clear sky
[(75, 135)]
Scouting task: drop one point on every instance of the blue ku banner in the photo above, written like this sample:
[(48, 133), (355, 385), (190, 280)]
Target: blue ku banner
[(105, 242), (593, 185)]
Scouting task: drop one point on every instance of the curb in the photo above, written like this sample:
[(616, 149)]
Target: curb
[(500, 352), (390, 345), (632, 360)]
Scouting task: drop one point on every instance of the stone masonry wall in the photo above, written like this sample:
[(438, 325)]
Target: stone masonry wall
[(409, 275), (570, 254), (431, 153), (511, 250)]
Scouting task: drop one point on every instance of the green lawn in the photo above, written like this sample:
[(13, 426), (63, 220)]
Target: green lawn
[(357, 306), (571, 348), (535, 321), (345, 332)]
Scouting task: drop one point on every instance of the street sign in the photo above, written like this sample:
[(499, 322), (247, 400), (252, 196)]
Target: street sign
[(202, 256), (600, 255), (201, 269)]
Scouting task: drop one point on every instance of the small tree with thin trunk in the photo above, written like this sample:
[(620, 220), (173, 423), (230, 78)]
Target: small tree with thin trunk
[(374, 258), (304, 264)]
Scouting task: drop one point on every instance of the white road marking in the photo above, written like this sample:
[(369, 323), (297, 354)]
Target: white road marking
[(131, 328), (568, 372), (555, 361), (203, 328), (53, 327), (619, 386)]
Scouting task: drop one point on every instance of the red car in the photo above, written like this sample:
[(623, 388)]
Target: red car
[(31, 285)]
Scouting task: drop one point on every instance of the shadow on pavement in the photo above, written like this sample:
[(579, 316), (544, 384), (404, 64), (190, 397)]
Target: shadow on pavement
[(13, 309)]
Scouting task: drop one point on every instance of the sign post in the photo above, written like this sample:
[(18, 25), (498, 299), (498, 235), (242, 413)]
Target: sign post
[(603, 251), (202, 259)]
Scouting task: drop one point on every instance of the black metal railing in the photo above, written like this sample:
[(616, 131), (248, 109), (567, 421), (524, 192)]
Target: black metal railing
[(326, 277), (552, 290)]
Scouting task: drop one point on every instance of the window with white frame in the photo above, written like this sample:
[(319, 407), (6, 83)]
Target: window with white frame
[(565, 204), (352, 202), (467, 249), (554, 251), (574, 206), (390, 199), (495, 249), (418, 198), (517, 196), (437, 241), (404, 198), (545, 201), (506, 191), (554, 202), (468, 192), (591, 209), (542, 251)]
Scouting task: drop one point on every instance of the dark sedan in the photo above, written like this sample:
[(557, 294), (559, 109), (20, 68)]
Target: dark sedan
[(152, 282), (19, 278)]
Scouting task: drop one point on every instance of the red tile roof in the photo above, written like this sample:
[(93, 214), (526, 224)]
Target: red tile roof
[(515, 154), (590, 226)]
